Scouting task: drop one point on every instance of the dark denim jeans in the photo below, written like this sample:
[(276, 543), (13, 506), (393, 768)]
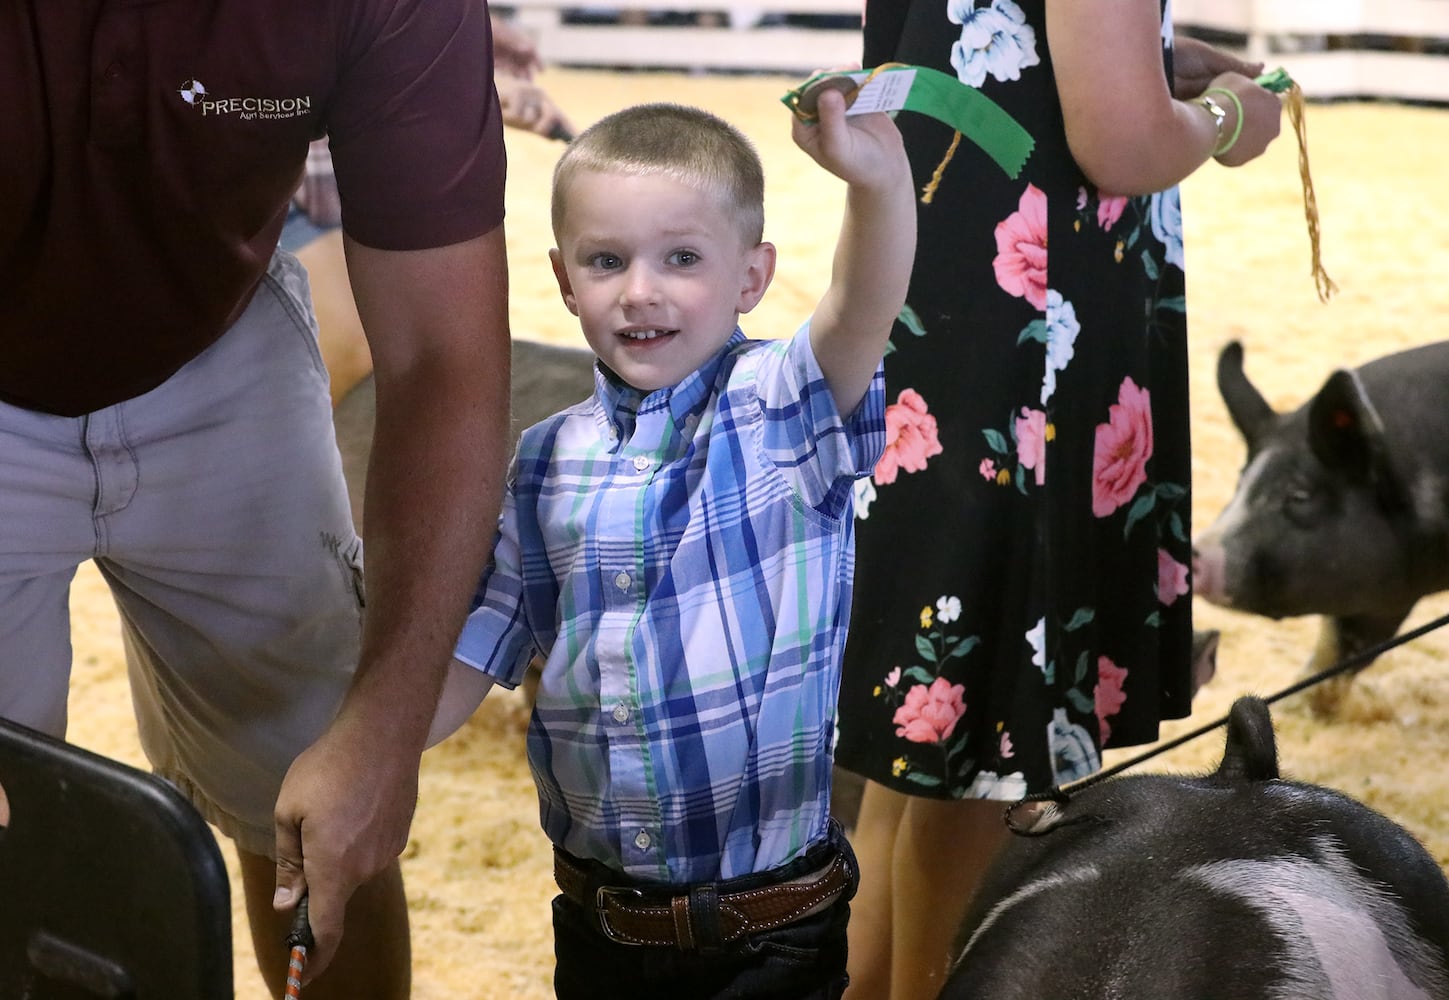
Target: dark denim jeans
[(801, 961)]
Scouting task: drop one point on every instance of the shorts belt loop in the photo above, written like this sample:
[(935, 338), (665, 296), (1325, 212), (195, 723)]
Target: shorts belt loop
[(704, 917)]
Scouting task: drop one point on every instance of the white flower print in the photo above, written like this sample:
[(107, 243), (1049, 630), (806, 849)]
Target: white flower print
[(1073, 753), (864, 497), (995, 40), (1165, 213), (1062, 330), (1008, 787), (1036, 638), (948, 609)]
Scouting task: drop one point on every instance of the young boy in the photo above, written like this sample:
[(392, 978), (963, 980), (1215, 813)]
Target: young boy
[(679, 548)]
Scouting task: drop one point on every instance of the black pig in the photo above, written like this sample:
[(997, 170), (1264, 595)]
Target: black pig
[(1234, 886), (546, 378), (1342, 509)]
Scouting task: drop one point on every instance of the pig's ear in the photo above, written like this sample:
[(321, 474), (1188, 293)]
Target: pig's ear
[(1034, 817), (1037, 817), (1347, 435), (1250, 412), (1251, 753)]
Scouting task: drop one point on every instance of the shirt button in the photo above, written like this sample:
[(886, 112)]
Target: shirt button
[(622, 581), (613, 433), (621, 713), (690, 423), (642, 840), (641, 462), (114, 70)]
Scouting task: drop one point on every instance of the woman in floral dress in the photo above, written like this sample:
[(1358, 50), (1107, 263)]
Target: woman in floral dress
[(1022, 596)]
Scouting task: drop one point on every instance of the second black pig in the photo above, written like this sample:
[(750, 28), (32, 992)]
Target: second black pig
[(1342, 508)]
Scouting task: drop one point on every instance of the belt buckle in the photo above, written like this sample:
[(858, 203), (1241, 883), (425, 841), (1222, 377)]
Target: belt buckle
[(602, 899)]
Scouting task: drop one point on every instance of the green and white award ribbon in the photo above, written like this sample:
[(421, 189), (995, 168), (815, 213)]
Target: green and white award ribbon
[(901, 87)]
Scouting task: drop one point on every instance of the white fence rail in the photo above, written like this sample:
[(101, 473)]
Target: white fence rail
[(737, 42), (1396, 49)]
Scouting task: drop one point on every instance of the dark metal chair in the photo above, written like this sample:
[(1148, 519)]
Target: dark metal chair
[(111, 884)]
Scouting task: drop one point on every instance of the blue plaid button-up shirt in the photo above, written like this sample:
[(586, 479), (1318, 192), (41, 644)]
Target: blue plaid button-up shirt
[(683, 561)]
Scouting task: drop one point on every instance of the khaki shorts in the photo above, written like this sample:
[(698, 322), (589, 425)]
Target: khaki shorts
[(215, 508)]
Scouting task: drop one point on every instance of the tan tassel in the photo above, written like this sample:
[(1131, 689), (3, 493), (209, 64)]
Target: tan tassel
[(929, 191), (1321, 280)]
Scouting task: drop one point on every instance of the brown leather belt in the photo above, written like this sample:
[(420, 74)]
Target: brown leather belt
[(703, 917)]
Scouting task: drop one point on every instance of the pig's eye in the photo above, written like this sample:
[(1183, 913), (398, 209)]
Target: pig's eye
[(1300, 505)]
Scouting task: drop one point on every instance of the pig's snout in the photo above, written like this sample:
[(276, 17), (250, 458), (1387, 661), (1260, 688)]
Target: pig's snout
[(1210, 572)]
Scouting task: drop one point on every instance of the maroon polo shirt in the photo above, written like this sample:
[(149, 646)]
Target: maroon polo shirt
[(149, 150)]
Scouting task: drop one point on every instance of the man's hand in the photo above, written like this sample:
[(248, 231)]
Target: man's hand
[(527, 106), (342, 817), (514, 53)]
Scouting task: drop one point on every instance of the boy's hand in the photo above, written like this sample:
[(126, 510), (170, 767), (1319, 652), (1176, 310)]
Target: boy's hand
[(873, 256), (864, 150)]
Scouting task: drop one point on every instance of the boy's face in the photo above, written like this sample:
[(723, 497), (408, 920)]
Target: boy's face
[(656, 271)]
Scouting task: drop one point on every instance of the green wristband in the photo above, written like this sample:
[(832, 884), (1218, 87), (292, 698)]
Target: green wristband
[(1237, 127)]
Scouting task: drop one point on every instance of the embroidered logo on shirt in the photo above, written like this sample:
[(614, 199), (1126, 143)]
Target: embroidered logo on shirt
[(194, 93)]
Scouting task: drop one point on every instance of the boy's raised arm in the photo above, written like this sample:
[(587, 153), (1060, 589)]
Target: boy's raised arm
[(877, 244)]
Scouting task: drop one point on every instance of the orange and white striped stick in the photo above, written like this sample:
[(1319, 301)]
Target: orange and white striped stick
[(300, 939)]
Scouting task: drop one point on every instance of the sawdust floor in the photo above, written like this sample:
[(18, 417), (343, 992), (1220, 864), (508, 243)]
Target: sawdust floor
[(477, 866)]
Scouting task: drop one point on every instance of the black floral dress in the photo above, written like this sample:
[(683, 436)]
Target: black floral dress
[(1022, 595)]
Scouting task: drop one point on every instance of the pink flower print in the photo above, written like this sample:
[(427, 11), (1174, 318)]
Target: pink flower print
[(1124, 444), (893, 678), (987, 468), (930, 713), (1109, 696), (1021, 249), (1171, 578), (1006, 750), (1031, 442), (910, 437), (1109, 209)]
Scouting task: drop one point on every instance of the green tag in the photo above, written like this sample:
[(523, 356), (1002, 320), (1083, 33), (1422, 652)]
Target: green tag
[(1277, 80), (927, 92)]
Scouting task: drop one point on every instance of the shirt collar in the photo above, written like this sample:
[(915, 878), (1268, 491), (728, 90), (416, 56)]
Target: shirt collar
[(621, 404)]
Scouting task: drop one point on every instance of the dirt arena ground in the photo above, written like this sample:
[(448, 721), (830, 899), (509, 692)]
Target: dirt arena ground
[(477, 866)]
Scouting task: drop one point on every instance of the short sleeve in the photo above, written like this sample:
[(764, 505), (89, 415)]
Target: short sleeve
[(495, 637), (805, 434), (415, 128)]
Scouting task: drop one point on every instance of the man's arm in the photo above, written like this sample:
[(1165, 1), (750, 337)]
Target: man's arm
[(876, 249), (437, 324)]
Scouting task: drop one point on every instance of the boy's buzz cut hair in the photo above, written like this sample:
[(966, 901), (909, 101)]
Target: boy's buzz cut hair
[(687, 144)]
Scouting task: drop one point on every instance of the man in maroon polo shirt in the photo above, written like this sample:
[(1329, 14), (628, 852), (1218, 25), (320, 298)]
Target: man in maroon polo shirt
[(164, 412)]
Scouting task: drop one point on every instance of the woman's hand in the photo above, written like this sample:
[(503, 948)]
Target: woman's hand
[(1196, 64)]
